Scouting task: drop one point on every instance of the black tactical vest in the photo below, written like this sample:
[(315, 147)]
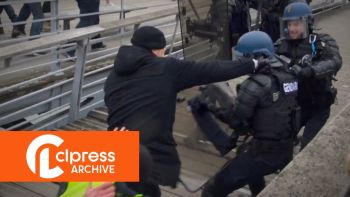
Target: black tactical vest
[(312, 91), (277, 117)]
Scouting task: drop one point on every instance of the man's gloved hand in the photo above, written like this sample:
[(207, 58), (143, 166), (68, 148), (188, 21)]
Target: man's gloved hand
[(296, 69), (196, 104), (304, 72), (242, 129), (261, 64), (307, 72), (223, 114), (306, 61)]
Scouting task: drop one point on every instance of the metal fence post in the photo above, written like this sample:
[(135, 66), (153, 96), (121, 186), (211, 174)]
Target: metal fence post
[(56, 66), (122, 13), (54, 15), (54, 28), (78, 78), (177, 18)]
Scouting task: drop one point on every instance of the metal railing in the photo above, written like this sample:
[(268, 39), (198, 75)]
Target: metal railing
[(69, 91), (56, 16)]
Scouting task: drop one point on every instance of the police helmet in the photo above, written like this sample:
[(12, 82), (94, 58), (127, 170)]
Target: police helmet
[(296, 21), (254, 44), (257, 44)]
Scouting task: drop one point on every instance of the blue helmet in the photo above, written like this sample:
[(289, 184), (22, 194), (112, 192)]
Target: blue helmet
[(296, 10), (255, 43), (297, 21)]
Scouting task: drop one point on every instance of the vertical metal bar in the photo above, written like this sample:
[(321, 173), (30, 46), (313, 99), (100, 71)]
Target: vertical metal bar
[(177, 18), (122, 13), (54, 15), (54, 28), (7, 62), (81, 50)]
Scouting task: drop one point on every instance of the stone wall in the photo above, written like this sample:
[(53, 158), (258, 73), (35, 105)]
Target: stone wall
[(320, 169)]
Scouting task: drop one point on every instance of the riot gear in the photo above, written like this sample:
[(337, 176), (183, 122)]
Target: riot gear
[(257, 44), (315, 58), (266, 103), (270, 12), (296, 22), (275, 119), (254, 44)]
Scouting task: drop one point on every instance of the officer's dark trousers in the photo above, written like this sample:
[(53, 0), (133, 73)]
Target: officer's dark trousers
[(249, 167), (147, 189), (144, 186), (313, 119), (86, 7)]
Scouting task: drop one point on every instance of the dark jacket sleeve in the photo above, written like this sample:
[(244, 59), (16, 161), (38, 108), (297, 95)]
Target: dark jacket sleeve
[(251, 93), (330, 60), (188, 73)]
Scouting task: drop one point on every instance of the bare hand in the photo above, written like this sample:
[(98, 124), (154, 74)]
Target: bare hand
[(104, 190), (121, 129)]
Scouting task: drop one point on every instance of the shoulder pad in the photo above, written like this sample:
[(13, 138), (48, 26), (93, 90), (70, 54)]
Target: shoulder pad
[(326, 40), (261, 80), (256, 85), (278, 42)]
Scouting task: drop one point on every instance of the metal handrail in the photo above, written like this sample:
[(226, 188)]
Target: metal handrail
[(83, 85), (55, 17)]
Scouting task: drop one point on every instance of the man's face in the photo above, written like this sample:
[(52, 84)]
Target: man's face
[(296, 29), (159, 52)]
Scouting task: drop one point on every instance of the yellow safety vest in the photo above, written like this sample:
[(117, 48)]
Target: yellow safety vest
[(78, 189)]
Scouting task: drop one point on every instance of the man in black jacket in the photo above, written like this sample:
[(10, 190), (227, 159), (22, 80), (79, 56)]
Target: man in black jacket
[(140, 94)]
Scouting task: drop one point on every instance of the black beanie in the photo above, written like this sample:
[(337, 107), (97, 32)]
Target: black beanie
[(148, 37)]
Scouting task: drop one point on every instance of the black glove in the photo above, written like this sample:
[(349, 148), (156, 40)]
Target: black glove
[(296, 69), (223, 113), (196, 103), (305, 72), (306, 61), (242, 129)]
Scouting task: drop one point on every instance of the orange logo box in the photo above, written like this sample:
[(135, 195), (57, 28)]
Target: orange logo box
[(69, 156)]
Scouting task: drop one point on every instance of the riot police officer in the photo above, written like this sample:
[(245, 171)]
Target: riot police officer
[(271, 11), (266, 101), (320, 51)]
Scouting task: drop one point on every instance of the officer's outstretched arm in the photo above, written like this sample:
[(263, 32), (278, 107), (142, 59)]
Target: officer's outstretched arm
[(251, 92), (331, 61), (187, 74)]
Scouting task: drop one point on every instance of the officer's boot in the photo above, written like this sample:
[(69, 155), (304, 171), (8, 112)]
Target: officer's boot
[(210, 189)]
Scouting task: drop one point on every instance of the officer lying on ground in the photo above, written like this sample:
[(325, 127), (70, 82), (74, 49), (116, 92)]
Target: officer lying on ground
[(140, 94), (266, 102)]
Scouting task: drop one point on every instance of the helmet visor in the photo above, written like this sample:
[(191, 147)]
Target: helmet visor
[(265, 53), (294, 28), (236, 54)]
